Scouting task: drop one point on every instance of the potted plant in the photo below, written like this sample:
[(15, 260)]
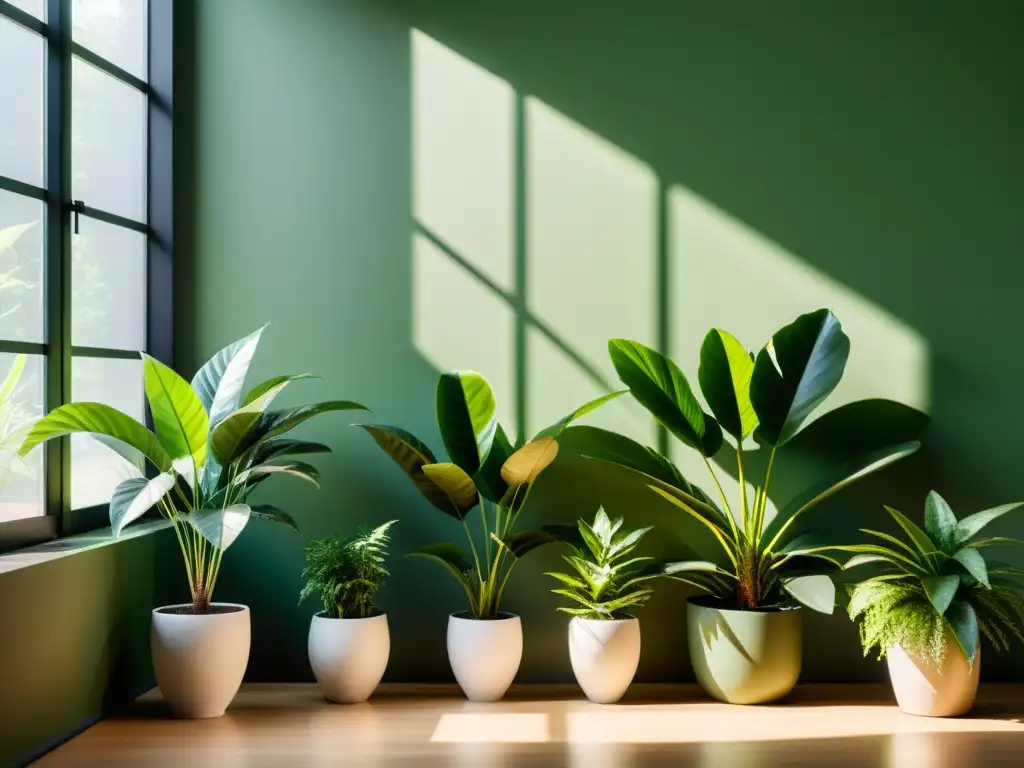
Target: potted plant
[(604, 637), (211, 445), (745, 632), (349, 642), (485, 472), (925, 610)]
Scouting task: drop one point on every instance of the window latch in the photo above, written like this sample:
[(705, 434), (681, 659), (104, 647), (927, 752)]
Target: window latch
[(77, 207)]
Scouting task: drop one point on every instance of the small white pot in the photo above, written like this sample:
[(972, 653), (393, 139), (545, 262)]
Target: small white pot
[(200, 659), (485, 654), (604, 655), (922, 687), (349, 656)]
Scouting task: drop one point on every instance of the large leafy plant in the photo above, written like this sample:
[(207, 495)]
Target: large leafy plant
[(608, 579), (211, 445), (934, 580), (485, 472), (757, 559), (347, 573)]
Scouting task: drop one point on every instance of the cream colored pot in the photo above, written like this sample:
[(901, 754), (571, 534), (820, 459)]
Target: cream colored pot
[(604, 655), (349, 656), (923, 687), (199, 659), (485, 654)]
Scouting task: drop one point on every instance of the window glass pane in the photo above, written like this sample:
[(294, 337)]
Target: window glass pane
[(108, 286), (36, 7), (21, 268), (21, 482), (21, 103), (108, 138), (95, 469), (114, 29)]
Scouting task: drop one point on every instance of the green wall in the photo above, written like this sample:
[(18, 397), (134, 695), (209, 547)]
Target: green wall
[(74, 637), (669, 166)]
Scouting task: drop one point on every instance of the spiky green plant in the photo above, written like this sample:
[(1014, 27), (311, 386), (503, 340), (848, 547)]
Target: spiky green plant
[(347, 573), (608, 581), (936, 580)]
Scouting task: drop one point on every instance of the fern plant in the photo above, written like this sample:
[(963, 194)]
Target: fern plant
[(937, 579), (347, 573), (607, 581)]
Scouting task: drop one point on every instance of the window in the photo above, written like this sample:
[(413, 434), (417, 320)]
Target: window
[(85, 240)]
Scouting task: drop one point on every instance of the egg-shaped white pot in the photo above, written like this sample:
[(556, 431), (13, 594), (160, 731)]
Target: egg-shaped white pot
[(349, 656), (485, 654), (934, 689), (604, 655), (199, 659)]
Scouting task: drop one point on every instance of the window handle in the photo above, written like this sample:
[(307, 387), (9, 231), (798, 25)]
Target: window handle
[(77, 207)]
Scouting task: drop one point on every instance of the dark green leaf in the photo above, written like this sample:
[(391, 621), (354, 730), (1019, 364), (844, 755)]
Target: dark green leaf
[(282, 446), (273, 514), (941, 590), (488, 478), (939, 521), (232, 435), (964, 623), (466, 417), (971, 524), (659, 386), (453, 559), (811, 356), (724, 374), (817, 592), (134, 496), (273, 383), (522, 542), (920, 539), (973, 563)]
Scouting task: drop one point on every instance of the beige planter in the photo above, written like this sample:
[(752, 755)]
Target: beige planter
[(349, 656), (200, 659), (924, 687), (485, 654), (744, 657), (604, 655)]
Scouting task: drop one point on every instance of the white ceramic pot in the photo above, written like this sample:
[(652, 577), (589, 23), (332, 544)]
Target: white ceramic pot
[(604, 655), (200, 659), (923, 687), (485, 654), (349, 656)]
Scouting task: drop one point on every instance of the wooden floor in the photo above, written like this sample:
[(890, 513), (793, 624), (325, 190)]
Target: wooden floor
[(293, 727)]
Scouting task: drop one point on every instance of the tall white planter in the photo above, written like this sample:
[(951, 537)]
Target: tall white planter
[(485, 654), (604, 655), (924, 687), (349, 656), (200, 659)]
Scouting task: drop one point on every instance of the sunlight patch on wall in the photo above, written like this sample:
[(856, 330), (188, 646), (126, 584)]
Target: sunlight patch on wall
[(463, 156), (591, 237), (459, 323)]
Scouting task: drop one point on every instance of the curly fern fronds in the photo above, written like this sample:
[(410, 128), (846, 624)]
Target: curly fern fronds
[(347, 573), (897, 614)]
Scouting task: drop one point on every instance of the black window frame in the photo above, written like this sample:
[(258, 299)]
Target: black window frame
[(60, 211)]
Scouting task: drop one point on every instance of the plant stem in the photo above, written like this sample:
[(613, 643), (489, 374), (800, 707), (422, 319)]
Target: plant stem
[(725, 501)]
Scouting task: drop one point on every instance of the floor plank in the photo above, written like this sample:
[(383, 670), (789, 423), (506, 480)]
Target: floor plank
[(819, 725)]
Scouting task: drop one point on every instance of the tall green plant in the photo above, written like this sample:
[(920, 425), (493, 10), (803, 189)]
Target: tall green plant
[(347, 573), (934, 580), (485, 472), (767, 397), (211, 445)]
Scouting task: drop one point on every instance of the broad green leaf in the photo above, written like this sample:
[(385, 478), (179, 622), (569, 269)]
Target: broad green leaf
[(181, 423), (276, 423), (920, 539), (566, 579), (488, 478), (681, 500), (622, 545), (846, 476), (941, 590), (229, 436), (974, 563), (659, 386), (451, 479), (97, 419), (221, 527), (453, 559), (218, 384), (282, 446), (858, 560), (273, 514), (411, 454), (297, 469), (816, 592), (526, 464), (964, 623), (972, 524), (724, 374), (939, 521), (466, 417), (265, 386), (798, 368), (134, 496), (596, 443), (690, 566), (522, 542), (557, 428)]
